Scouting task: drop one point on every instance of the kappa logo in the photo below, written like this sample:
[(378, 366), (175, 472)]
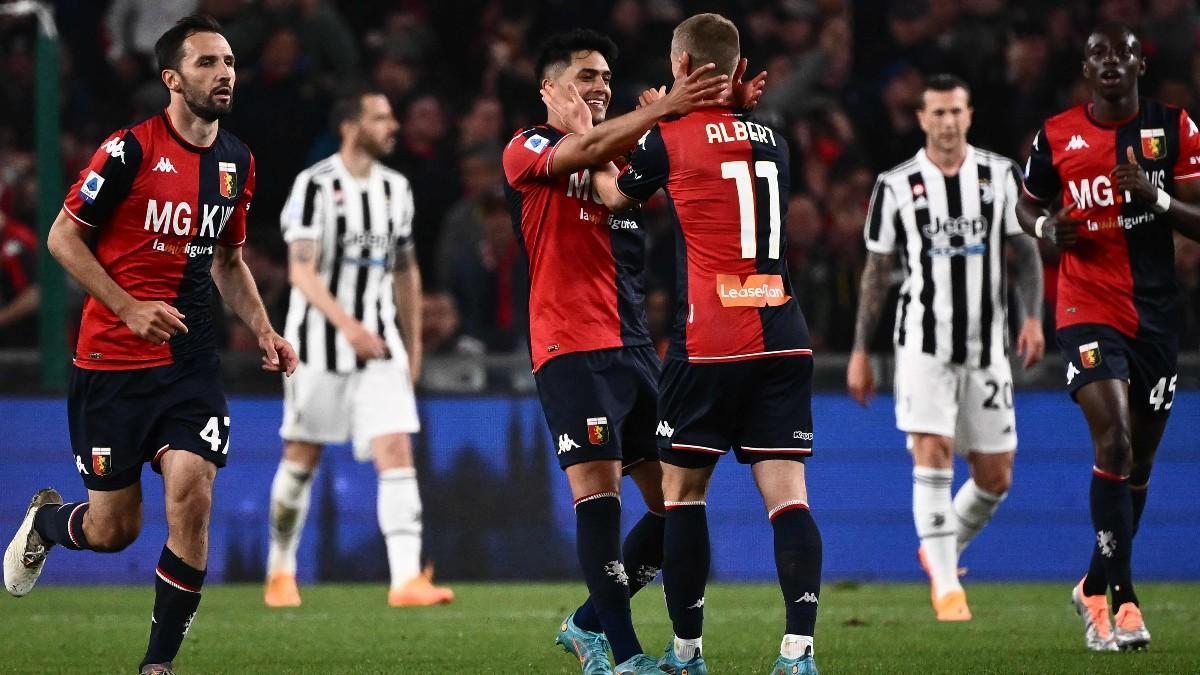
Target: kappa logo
[(165, 166), (802, 435), (1106, 542), (1077, 143), (699, 604), (80, 467), (1072, 371), (807, 597), (665, 429), (115, 147), (566, 444)]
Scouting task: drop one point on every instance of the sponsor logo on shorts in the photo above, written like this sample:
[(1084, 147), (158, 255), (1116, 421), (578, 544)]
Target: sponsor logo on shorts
[(597, 430), (101, 461), (665, 429), (80, 467), (759, 290), (1089, 354), (802, 435), (566, 444)]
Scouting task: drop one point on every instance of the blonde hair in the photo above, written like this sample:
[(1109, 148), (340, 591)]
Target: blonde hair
[(708, 38)]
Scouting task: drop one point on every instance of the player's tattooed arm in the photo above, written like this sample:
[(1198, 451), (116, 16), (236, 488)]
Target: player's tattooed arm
[(406, 287), (876, 280), (1027, 280), (303, 274)]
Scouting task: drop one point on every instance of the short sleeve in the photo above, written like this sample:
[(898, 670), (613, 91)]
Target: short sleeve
[(1012, 192), (529, 156), (648, 168), (1041, 178), (106, 180), (1187, 166), (299, 219), (880, 231), (234, 232)]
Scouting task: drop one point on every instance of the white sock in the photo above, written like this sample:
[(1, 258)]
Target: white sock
[(290, 494), (795, 646), (937, 525), (974, 508), (686, 650), (399, 509)]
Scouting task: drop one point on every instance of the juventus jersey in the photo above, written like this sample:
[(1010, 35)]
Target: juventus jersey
[(360, 225), (949, 232)]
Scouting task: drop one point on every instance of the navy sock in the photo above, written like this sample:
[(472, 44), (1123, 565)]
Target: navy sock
[(1112, 519), (62, 524), (176, 597), (686, 557), (643, 554), (798, 561), (1096, 583), (598, 542)]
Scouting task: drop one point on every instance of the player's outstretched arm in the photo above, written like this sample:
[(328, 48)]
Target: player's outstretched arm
[(609, 140), (237, 288), (154, 321), (406, 289), (860, 379), (1028, 282)]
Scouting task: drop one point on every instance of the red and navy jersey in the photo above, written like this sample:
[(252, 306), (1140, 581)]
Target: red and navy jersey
[(587, 280), (1121, 273), (160, 206), (727, 178)]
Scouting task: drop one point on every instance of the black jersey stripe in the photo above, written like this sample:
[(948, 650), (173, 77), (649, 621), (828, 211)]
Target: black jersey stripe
[(905, 298), (335, 277), (986, 310), (876, 209), (928, 320), (391, 261), (958, 275), (361, 268)]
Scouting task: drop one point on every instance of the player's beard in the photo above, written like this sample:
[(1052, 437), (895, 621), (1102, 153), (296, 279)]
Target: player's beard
[(203, 104), (376, 149)]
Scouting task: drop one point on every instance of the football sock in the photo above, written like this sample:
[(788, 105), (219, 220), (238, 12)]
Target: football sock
[(598, 543), (62, 524), (937, 526), (291, 491), (399, 508), (1095, 583), (643, 554), (1112, 519), (974, 508), (176, 597), (685, 567), (798, 562), (796, 646), (686, 650)]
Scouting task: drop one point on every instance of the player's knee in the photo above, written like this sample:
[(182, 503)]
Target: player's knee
[(1113, 451), (190, 508), (114, 535), (996, 482)]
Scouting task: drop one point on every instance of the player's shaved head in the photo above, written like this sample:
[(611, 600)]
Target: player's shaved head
[(708, 38), (558, 50), (168, 51)]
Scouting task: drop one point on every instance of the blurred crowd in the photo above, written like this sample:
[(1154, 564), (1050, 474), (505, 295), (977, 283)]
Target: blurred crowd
[(845, 77)]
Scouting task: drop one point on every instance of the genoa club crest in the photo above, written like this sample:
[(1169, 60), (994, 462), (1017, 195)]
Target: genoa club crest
[(1154, 143), (1089, 354), (597, 430), (227, 179), (101, 461)]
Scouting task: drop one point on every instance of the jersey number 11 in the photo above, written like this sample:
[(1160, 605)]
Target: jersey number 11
[(740, 173)]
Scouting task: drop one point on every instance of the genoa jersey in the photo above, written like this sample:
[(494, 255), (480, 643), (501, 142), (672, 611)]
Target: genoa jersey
[(159, 206), (586, 264), (1121, 273), (727, 178)]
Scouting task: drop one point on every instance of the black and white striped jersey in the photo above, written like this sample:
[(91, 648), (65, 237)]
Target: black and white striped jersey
[(949, 232), (360, 225)]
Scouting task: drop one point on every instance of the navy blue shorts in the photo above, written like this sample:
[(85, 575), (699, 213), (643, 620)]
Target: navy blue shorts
[(1095, 352), (601, 404), (762, 408), (121, 419)]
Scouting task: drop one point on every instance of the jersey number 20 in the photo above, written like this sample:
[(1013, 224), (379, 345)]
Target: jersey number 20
[(740, 173)]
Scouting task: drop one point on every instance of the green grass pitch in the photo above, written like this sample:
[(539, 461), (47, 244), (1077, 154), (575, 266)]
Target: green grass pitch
[(509, 628)]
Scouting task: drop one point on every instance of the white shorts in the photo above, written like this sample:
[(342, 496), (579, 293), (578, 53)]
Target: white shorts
[(974, 406), (324, 407)]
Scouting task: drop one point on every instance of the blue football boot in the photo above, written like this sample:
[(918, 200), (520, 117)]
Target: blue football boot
[(590, 648), (805, 665), (672, 664), (640, 664)]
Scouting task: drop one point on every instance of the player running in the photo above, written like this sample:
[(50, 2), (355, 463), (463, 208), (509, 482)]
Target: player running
[(949, 211), (594, 364), (155, 219), (355, 318), (738, 371), (1108, 182)]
